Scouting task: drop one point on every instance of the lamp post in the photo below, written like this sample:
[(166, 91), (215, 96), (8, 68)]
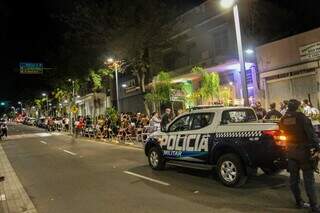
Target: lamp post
[(72, 81), (115, 63), (228, 4), (20, 103), (72, 102), (46, 96)]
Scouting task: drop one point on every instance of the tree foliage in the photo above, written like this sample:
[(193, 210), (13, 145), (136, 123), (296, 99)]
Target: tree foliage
[(97, 77), (161, 91), (210, 84)]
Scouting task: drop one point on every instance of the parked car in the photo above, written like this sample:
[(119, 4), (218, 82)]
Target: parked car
[(42, 123)]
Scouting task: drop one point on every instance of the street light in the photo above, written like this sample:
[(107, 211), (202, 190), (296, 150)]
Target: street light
[(112, 61), (20, 103), (46, 96), (228, 4), (249, 51)]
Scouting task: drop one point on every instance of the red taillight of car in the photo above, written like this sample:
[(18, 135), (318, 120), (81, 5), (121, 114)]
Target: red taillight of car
[(278, 136)]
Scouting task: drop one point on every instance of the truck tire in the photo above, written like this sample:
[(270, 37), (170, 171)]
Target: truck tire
[(156, 159), (231, 170)]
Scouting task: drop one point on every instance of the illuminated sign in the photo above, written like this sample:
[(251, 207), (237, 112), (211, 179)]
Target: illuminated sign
[(31, 68), (311, 51)]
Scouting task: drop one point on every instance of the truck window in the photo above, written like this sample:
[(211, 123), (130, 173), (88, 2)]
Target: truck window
[(181, 124), (239, 116), (201, 120)]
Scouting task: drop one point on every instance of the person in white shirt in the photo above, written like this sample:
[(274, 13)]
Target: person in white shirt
[(155, 120), (306, 107)]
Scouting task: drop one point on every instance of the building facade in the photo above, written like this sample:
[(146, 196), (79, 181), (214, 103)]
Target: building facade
[(290, 68), (203, 36), (93, 104)]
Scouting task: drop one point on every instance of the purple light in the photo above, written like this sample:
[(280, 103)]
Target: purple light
[(234, 65)]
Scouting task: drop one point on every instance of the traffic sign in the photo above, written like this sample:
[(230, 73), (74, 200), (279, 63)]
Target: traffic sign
[(74, 109), (31, 68)]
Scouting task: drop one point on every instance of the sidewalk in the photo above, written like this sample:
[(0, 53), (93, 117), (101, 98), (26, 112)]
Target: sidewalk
[(13, 197)]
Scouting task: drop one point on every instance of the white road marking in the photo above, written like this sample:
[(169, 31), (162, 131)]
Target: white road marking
[(147, 178), (43, 142), (2, 197), (33, 135), (71, 153)]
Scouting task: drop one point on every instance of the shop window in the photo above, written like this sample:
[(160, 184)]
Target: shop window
[(249, 76)]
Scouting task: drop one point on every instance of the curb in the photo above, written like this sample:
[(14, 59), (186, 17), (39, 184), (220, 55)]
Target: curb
[(113, 141)]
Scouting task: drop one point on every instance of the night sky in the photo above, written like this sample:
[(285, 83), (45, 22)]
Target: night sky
[(28, 31)]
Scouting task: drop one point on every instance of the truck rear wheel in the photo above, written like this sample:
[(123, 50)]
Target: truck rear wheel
[(231, 170), (156, 159)]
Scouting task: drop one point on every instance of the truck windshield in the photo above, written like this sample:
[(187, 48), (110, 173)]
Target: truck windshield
[(239, 116)]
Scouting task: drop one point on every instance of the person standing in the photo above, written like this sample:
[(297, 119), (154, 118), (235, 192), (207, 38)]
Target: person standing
[(155, 121), (273, 114), (165, 119), (302, 145), (260, 111), (306, 107), (283, 107)]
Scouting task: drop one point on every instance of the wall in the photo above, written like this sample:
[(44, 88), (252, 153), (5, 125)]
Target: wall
[(284, 52)]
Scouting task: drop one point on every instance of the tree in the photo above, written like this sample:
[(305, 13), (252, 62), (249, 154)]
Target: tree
[(96, 78), (189, 97), (60, 95), (132, 36), (40, 104), (210, 85), (161, 92)]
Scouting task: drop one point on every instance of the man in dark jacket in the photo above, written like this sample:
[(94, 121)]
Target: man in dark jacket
[(273, 114), (302, 144), (260, 111), (165, 119)]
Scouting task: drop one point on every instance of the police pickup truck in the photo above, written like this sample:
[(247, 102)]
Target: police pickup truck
[(227, 139)]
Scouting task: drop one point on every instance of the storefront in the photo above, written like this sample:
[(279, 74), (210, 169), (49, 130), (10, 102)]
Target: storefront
[(93, 104), (230, 78), (289, 68)]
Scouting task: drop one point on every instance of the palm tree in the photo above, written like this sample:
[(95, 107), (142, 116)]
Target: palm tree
[(97, 78), (210, 85)]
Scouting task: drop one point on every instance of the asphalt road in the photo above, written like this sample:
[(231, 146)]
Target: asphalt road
[(62, 175)]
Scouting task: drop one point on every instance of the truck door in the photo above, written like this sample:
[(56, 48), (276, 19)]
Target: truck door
[(191, 140)]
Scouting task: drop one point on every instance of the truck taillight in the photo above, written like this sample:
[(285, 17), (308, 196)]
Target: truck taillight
[(279, 138)]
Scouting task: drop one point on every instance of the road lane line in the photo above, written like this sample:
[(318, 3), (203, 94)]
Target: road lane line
[(43, 142), (71, 153), (147, 178)]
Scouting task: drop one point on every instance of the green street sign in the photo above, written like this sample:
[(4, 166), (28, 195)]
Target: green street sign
[(31, 68)]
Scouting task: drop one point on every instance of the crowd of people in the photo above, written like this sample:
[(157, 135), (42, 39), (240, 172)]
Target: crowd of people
[(274, 114), (128, 124)]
